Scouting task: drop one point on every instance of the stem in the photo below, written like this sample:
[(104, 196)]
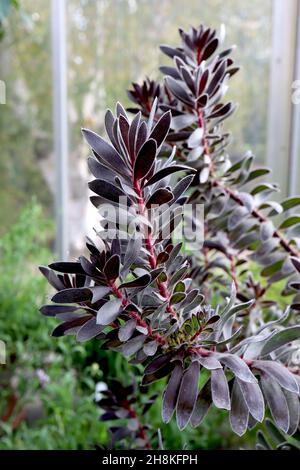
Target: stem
[(135, 316)]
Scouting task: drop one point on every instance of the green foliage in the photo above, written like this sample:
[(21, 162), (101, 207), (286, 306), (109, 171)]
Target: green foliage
[(46, 377)]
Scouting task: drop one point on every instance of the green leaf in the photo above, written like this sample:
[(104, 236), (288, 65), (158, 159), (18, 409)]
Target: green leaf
[(280, 339), (273, 268), (295, 219)]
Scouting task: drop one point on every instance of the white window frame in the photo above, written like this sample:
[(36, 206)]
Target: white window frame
[(283, 115)]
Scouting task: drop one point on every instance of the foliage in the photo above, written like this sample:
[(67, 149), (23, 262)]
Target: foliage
[(272, 439), (47, 389), (143, 296)]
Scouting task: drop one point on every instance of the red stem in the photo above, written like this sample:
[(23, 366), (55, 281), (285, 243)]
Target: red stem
[(162, 286)]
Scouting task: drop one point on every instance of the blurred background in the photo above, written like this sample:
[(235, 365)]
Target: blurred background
[(62, 64)]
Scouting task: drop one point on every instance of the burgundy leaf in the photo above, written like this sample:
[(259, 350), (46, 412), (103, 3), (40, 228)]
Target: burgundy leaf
[(109, 312), (81, 294), (253, 398), (141, 281), (166, 172), (145, 159), (277, 402), (105, 151), (202, 405), (159, 197), (89, 330), (210, 48), (219, 389), (52, 278), (63, 328), (112, 268), (127, 330), (178, 91), (106, 190), (161, 129), (239, 414), (133, 345), (53, 310), (279, 373)]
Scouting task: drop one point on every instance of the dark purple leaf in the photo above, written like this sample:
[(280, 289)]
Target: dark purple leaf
[(53, 310), (52, 278), (279, 373), (219, 389), (159, 197), (158, 374), (157, 363), (170, 71), (202, 405), (99, 292), (178, 91), (210, 48), (145, 159), (67, 267), (141, 136), (133, 345), (72, 295), (109, 312), (133, 133), (239, 414), (187, 395), (209, 362), (63, 328), (112, 268), (100, 171), (127, 330), (89, 330), (277, 402), (105, 151), (166, 172), (292, 401), (141, 281), (253, 398), (238, 367), (171, 51), (161, 129), (107, 190), (150, 348)]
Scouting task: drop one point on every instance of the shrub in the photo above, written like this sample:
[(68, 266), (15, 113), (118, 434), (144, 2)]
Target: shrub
[(195, 318)]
